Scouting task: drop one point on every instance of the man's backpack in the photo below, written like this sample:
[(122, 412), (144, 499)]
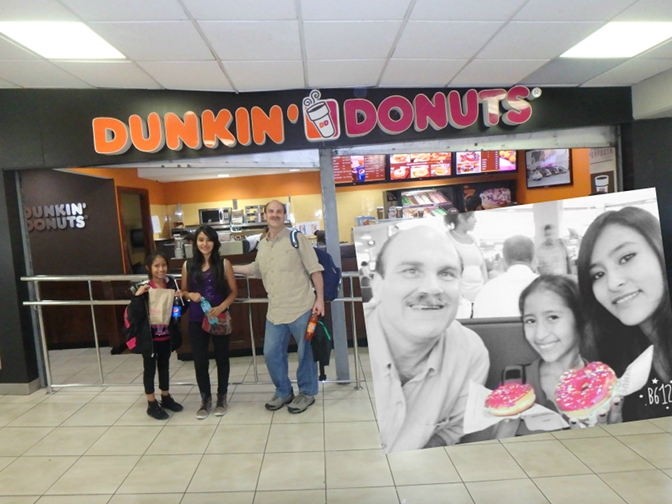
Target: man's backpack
[(331, 274)]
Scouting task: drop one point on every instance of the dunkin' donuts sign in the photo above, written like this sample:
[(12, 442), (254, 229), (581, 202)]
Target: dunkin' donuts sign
[(55, 217), (323, 120)]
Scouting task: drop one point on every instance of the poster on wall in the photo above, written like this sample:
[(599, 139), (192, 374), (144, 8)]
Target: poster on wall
[(602, 170), (548, 167), (474, 381)]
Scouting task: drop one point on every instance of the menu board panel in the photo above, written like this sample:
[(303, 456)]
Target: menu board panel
[(467, 163), (424, 165), (359, 169), (498, 161)]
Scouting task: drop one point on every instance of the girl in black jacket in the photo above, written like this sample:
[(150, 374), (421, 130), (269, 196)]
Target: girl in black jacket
[(154, 341)]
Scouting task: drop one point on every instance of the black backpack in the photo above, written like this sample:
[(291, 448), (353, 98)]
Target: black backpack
[(331, 273)]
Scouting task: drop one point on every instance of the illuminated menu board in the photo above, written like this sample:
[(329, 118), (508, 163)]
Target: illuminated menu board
[(469, 163), (359, 169), (420, 166), (498, 161)]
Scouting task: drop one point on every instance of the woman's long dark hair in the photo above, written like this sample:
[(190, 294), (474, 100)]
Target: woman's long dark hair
[(565, 287), (618, 345), (195, 265)]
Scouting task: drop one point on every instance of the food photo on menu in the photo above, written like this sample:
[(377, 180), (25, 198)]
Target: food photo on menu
[(467, 162), (420, 165), (574, 351)]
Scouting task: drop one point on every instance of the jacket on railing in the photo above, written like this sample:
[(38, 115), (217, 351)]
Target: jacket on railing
[(138, 328)]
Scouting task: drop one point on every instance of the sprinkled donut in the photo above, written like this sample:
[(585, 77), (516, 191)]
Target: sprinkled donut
[(580, 392), (510, 399)]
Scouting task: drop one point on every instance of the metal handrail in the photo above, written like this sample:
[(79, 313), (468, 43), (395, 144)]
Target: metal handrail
[(38, 303)]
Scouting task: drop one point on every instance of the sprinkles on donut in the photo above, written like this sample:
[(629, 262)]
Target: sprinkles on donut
[(510, 399), (580, 392)]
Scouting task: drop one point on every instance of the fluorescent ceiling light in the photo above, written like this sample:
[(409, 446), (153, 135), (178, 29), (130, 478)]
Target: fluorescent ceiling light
[(621, 40), (295, 169), (60, 40), (223, 175)]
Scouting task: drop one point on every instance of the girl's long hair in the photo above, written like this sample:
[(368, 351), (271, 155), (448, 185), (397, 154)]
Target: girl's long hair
[(195, 265), (565, 287), (618, 345)]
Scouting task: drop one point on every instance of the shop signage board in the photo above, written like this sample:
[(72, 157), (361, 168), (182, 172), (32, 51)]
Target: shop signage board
[(58, 128), (434, 365)]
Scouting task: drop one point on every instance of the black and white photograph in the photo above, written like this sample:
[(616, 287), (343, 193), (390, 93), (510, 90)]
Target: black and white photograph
[(517, 320), (548, 167)]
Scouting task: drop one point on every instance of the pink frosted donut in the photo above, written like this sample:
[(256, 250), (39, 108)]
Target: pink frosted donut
[(510, 399), (582, 391)]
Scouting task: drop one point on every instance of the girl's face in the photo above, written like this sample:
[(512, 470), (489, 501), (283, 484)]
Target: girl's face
[(468, 223), (626, 275), (204, 244), (159, 268), (550, 325)]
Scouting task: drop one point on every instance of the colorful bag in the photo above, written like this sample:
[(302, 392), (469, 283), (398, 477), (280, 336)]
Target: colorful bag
[(222, 326)]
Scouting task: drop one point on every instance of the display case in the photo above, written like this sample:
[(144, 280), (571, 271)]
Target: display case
[(254, 214), (422, 202)]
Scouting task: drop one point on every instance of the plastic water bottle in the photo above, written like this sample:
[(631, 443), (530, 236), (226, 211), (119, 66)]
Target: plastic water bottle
[(205, 306), (312, 324)]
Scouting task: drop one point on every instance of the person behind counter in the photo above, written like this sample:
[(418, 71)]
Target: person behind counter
[(622, 277), (286, 274), (208, 276), (155, 338)]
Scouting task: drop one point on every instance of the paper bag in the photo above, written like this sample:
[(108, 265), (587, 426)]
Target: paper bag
[(160, 306)]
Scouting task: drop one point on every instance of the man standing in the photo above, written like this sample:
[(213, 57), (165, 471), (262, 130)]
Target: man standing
[(286, 274), (552, 254), (499, 297), (422, 359)]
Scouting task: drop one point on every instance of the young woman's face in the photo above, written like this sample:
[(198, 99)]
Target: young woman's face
[(159, 268), (626, 275), (550, 325), (468, 222), (204, 244)]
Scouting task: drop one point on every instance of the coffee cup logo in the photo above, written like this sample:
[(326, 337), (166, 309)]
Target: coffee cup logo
[(320, 118)]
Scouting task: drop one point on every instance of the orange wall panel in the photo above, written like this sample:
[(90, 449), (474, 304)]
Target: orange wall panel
[(128, 177), (580, 181)]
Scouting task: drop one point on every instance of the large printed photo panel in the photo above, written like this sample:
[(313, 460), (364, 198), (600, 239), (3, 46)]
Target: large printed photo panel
[(517, 320)]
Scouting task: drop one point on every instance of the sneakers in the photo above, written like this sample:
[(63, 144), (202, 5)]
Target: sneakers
[(168, 403), (301, 403), (204, 410), (278, 402), (220, 409), (155, 410)]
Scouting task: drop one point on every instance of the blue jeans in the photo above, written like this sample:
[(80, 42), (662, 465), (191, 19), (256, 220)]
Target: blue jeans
[(276, 341)]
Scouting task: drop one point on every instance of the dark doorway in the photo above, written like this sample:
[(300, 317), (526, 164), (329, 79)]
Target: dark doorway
[(136, 227)]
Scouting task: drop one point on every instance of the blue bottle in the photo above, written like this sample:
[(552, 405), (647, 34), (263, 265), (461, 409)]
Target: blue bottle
[(205, 306)]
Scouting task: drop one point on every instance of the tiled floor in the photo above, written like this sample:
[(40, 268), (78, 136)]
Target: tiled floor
[(96, 445)]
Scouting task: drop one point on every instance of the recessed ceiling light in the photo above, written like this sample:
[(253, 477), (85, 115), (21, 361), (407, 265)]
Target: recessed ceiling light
[(621, 40), (60, 40), (223, 175)]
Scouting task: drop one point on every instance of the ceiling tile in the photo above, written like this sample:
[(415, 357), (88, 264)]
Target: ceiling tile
[(160, 41), (661, 52), (11, 51), (531, 40), (7, 84), (417, 72), (38, 74), (194, 75), (444, 39), (242, 10), (344, 73), (349, 40), (459, 10), (35, 10), (570, 72), (496, 72), (127, 10), (647, 10), (110, 74), (631, 72), (254, 41), (572, 10), (350, 10), (265, 75)]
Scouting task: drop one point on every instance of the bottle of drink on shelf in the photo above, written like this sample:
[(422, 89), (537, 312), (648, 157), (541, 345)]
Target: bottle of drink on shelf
[(312, 324)]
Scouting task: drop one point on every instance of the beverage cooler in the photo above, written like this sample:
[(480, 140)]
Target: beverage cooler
[(422, 202)]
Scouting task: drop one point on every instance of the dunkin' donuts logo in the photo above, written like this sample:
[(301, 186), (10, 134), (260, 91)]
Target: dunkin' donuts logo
[(244, 126), (62, 216)]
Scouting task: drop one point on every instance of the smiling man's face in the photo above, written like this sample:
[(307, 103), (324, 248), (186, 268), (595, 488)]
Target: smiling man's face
[(419, 294)]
